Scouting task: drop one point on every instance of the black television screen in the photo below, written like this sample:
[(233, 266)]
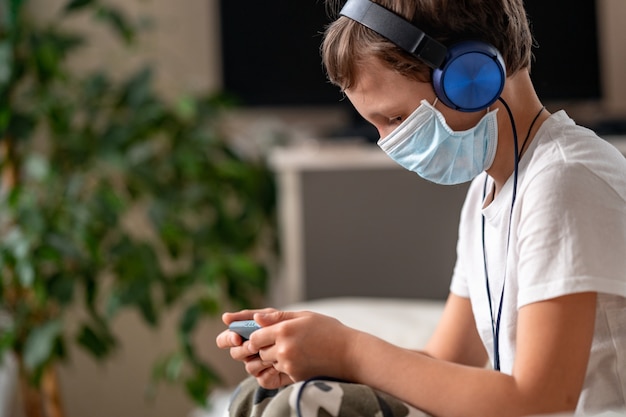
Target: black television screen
[(270, 51), (567, 63)]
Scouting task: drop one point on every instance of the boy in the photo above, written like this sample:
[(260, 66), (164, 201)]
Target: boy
[(539, 287)]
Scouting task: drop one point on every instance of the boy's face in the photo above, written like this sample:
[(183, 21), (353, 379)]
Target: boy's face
[(385, 98)]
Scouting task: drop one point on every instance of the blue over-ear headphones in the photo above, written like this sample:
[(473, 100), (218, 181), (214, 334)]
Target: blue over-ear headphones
[(468, 76)]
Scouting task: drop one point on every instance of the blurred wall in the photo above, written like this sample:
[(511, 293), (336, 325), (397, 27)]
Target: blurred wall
[(612, 15)]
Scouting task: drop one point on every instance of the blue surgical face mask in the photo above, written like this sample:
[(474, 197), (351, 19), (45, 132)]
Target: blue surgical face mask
[(425, 144)]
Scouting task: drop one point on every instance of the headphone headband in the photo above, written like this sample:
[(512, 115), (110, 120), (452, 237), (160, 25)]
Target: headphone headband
[(468, 76), (397, 30)]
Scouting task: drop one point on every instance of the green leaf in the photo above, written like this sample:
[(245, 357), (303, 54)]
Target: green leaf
[(138, 88), (37, 167), (26, 273), (118, 22), (99, 343), (170, 368), (190, 319), (22, 125), (186, 107), (199, 384), (91, 290), (96, 86), (76, 5), (61, 287), (10, 11), (7, 340), (40, 344), (148, 310), (6, 69)]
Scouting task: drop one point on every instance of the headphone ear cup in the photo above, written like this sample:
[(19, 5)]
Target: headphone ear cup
[(471, 78)]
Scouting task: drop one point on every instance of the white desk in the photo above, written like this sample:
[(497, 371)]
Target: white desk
[(354, 223)]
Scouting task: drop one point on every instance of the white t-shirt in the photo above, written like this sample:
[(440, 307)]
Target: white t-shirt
[(567, 235)]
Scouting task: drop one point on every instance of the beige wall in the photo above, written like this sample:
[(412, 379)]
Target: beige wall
[(612, 15), (184, 46), (180, 39), (118, 387)]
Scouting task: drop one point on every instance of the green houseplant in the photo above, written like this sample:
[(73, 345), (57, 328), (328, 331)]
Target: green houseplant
[(113, 198)]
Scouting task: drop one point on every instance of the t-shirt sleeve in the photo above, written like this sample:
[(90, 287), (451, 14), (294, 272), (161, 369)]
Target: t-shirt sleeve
[(571, 219)]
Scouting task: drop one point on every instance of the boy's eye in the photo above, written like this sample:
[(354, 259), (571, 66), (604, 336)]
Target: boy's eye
[(395, 120)]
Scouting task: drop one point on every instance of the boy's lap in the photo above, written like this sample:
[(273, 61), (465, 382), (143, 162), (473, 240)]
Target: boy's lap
[(318, 397)]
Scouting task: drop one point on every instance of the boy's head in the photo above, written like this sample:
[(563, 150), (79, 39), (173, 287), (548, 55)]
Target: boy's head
[(501, 23)]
